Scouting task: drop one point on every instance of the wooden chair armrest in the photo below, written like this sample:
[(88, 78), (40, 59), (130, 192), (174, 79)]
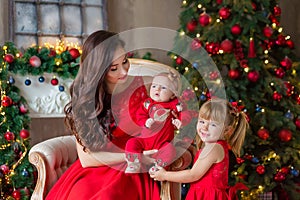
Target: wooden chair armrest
[(37, 159), (51, 159)]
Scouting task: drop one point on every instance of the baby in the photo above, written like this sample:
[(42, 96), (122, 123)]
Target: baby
[(159, 115)]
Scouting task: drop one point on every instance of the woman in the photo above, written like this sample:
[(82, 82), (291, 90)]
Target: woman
[(101, 116)]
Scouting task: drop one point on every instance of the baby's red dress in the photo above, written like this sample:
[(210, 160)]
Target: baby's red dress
[(110, 182), (214, 184)]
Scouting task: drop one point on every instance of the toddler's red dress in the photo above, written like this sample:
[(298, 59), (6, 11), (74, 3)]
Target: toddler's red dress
[(110, 182), (214, 184)]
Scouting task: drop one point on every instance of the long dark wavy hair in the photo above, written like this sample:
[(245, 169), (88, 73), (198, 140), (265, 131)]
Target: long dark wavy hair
[(88, 114)]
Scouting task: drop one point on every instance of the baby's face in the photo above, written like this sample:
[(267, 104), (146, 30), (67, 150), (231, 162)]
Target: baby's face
[(160, 93)]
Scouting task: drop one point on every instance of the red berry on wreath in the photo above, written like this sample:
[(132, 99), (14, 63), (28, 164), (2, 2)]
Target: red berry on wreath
[(6, 101), (24, 134), (35, 61), (74, 53), (9, 58)]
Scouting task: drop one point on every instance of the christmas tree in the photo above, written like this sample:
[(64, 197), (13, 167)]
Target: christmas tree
[(16, 173), (260, 74)]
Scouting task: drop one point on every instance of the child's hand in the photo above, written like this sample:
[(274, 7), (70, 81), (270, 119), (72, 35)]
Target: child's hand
[(177, 123), (149, 122), (158, 175)]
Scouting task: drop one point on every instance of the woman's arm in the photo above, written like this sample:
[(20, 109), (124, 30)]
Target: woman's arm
[(96, 159), (208, 157)]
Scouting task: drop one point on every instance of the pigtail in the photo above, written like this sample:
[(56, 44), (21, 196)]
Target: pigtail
[(236, 139)]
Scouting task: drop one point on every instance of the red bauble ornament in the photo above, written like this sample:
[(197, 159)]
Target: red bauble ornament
[(297, 122), (196, 44), (240, 160), (280, 40), (226, 46), (277, 11), (54, 81), (35, 61), (253, 76), (268, 31), (279, 72), (219, 1), (9, 136), (16, 194), (286, 63), (254, 6), (236, 29), (204, 19), (289, 88), (24, 134), (279, 177), (285, 170), (260, 169), (191, 25), (23, 109), (212, 47), (224, 13), (213, 75), (234, 74), (297, 98), (52, 53), (74, 53), (290, 44), (6, 101), (285, 135), (4, 168), (9, 58), (263, 133), (277, 96)]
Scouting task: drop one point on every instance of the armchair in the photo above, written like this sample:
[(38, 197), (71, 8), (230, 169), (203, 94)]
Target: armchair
[(53, 156)]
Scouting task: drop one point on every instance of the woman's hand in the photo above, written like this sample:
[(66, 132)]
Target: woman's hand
[(146, 158), (158, 175)]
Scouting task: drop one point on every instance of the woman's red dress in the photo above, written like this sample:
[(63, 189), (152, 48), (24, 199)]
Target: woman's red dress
[(214, 184), (107, 182)]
